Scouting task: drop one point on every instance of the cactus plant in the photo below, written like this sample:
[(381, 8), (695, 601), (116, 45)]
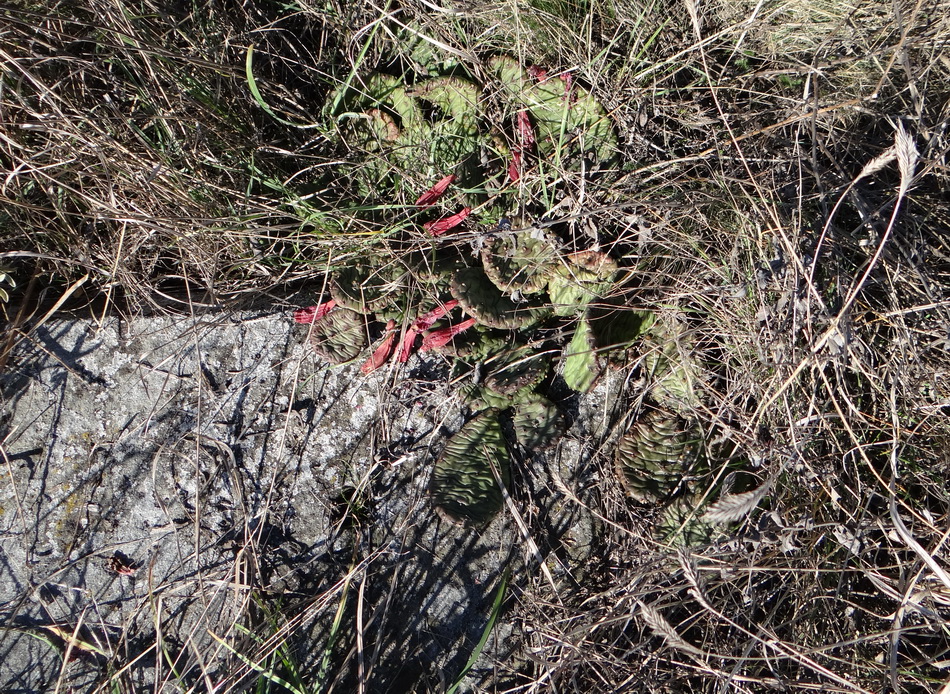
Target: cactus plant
[(475, 345), (537, 422), (339, 336), (561, 109), (464, 486), (434, 122), (582, 278), (681, 523), (581, 367), (566, 114), (518, 262), (523, 292), (518, 372), (654, 456), (479, 297), (367, 288), (514, 79)]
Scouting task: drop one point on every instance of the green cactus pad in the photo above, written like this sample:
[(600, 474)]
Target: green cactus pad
[(376, 113), (381, 128), (475, 344), (480, 298), (579, 280), (572, 115), (516, 374), (517, 262), (537, 422), (339, 336), (681, 523), (390, 92), (599, 267), (654, 455), (581, 367), (673, 375), (432, 266), (368, 288), (480, 397), (463, 486), (563, 114), (513, 78), (447, 137), (456, 97)]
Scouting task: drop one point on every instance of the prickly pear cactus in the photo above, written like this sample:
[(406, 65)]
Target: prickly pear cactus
[(581, 367), (581, 279), (569, 118), (476, 345), (464, 486), (673, 375), (565, 114), (339, 336), (430, 126), (537, 422), (501, 305), (654, 456), (517, 373), (681, 524), (514, 79), (422, 121), (512, 377), (369, 288), (518, 263), (479, 297)]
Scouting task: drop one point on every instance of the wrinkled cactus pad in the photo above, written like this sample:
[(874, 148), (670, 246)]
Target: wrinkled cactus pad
[(339, 336), (479, 297), (367, 288), (563, 112), (475, 345), (674, 377), (566, 114), (378, 110), (463, 487), (480, 397), (449, 133), (455, 97), (582, 278), (513, 78), (537, 422), (597, 265), (516, 373), (681, 523), (390, 92), (654, 456), (431, 266), (517, 262)]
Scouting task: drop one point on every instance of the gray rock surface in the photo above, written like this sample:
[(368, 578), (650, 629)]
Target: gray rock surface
[(214, 458)]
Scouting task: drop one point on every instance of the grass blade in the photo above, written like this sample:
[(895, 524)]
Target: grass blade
[(259, 98), (492, 618)]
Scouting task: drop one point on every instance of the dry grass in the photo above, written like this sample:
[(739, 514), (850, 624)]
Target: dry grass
[(782, 187)]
